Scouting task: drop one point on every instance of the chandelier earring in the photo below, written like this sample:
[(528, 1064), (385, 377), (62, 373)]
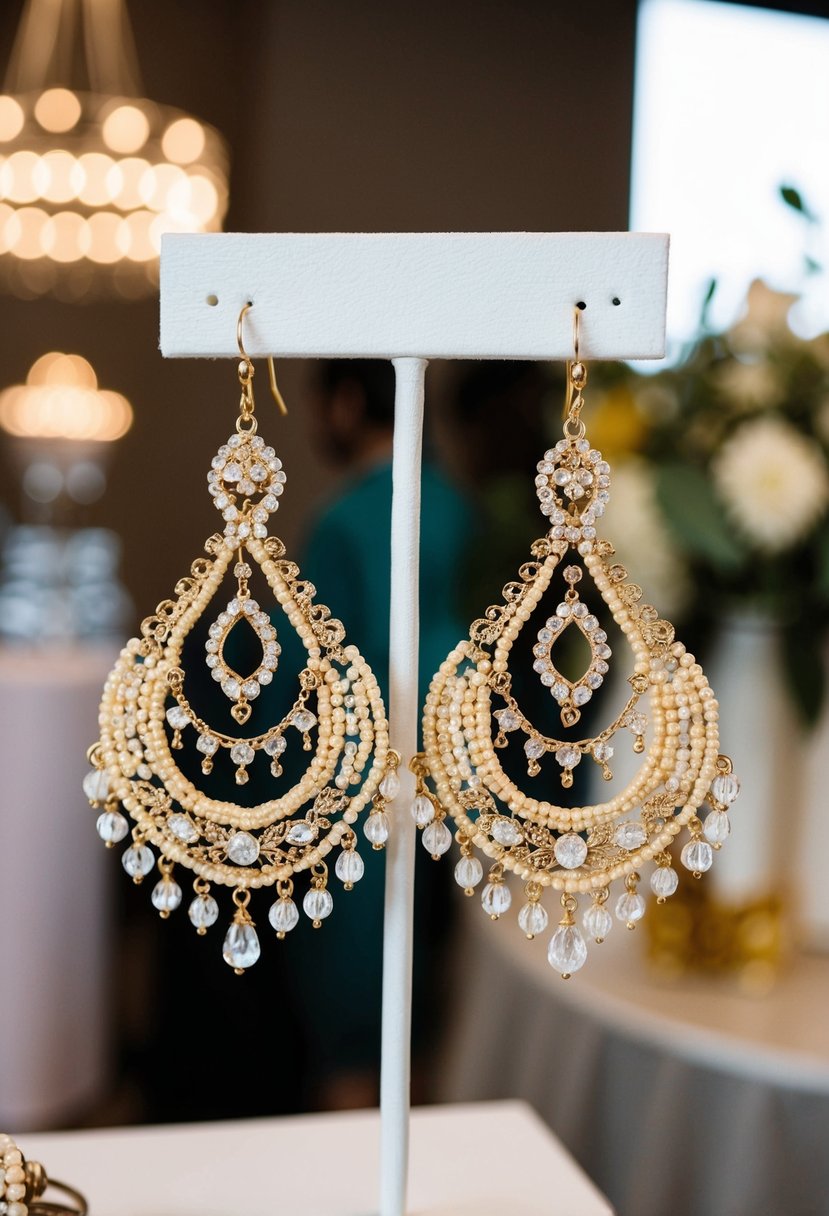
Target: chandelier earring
[(593, 857), (148, 714)]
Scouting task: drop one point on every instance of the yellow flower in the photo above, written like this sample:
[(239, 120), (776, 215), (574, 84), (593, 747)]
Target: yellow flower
[(616, 424)]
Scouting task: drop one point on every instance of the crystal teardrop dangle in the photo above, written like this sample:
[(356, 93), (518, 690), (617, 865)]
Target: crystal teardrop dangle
[(471, 712), (147, 719)]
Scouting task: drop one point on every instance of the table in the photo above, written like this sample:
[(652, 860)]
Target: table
[(685, 1097), (488, 1159)]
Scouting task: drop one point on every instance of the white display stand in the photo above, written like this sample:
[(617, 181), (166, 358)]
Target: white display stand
[(410, 297)]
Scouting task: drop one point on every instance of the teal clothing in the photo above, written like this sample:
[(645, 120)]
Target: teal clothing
[(338, 968)]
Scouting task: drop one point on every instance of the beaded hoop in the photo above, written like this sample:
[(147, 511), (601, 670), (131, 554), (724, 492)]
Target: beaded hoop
[(471, 712), (23, 1183), (146, 716)]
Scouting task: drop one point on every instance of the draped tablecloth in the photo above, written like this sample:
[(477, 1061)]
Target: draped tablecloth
[(682, 1098), (54, 889)]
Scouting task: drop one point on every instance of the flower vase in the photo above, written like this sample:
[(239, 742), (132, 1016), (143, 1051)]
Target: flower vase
[(732, 921), (759, 731), (813, 840)]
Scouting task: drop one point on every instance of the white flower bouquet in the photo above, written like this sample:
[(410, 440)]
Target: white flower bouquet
[(726, 456)]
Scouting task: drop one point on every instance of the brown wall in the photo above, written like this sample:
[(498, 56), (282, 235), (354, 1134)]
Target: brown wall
[(363, 115)]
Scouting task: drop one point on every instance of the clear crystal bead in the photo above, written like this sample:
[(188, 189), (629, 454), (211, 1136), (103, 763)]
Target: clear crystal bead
[(203, 912), (594, 680), (664, 881), (177, 717), (138, 860), (230, 686), (590, 623), (725, 788), (534, 749), (183, 828), (468, 872), (283, 915), (637, 722), (317, 904), (532, 919), (570, 851), (561, 691), (96, 785), (436, 838), (242, 849), (390, 785), (276, 745), (630, 835), (349, 868), (377, 828), (111, 826), (301, 833), (603, 752), (251, 689), (241, 946), (597, 922), (303, 719), (716, 827), (581, 695), (567, 756), (506, 832), (630, 907), (567, 951), (207, 744), (242, 753), (166, 896), (496, 898), (697, 856), (423, 810), (507, 719)]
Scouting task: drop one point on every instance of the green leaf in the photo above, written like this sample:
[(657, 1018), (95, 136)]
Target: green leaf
[(822, 555), (706, 303), (805, 674), (695, 518), (794, 199)]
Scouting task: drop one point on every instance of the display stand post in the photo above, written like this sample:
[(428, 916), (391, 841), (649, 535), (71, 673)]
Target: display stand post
[(410, 297)]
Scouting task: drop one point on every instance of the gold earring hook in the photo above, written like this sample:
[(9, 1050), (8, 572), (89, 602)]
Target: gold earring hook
[(246, 368), (576, 378)]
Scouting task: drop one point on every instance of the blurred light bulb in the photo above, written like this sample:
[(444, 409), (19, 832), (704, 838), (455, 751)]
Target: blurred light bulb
[(57, 110), (183, 141), (11, 118), (126, 129)]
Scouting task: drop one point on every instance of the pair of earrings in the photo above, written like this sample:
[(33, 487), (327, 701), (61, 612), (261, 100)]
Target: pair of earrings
[(147, 714)]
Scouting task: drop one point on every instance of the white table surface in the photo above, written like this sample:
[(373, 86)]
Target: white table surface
[(483, 1159)]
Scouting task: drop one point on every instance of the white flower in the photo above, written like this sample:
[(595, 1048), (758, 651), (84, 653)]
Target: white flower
[(749, 386), (634, 523), (773, 482), (765, 320)]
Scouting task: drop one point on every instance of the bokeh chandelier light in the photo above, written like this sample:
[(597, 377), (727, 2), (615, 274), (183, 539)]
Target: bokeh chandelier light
[(91, 177), (61, 401)]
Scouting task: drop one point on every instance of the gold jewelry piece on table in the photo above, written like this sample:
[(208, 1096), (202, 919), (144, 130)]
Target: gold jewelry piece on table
[(147, 715), (471, 712), (23, 1185)]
